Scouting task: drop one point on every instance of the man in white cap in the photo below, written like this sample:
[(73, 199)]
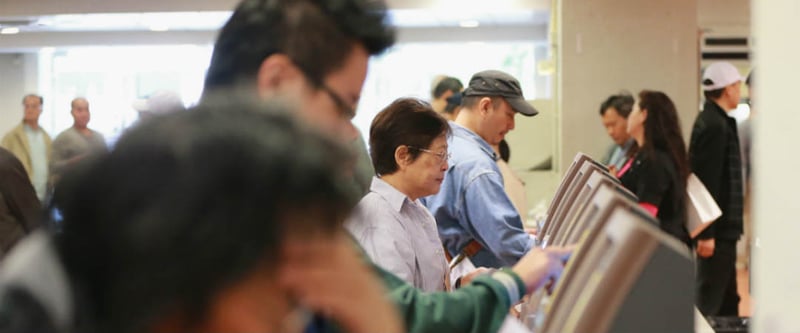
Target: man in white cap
[(715, 159), (158, 103)]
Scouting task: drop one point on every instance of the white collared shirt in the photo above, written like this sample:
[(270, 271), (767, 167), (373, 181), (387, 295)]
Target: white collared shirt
[(39, 165), (400, 235)]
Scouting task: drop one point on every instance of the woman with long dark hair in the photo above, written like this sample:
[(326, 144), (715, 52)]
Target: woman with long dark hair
[(657, 173)]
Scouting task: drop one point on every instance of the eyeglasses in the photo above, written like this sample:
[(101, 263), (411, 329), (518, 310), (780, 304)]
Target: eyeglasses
[(443, 156), (345, 110)]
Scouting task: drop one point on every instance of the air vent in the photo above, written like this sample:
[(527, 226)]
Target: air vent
[(731, 41), (726, 56), (725, 48)]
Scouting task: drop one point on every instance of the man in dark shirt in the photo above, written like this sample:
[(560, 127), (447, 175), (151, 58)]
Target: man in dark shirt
[(715, 159)]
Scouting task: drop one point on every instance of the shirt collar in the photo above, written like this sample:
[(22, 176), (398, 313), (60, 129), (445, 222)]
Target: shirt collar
[(711, 105), (719, 110), (395, 198), (28, 129), (467, 134), (628, 144)]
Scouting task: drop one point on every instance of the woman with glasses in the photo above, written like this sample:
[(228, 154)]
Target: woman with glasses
[(657, 173), (408, 146)]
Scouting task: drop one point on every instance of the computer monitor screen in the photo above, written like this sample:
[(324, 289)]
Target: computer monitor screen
[(569, 175), (585, 208), (626, 276), (602, 201), (556, 218)]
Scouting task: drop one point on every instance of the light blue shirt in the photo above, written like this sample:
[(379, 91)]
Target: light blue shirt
[(619, 154), (472, 204), (38, 160), (400, 235)]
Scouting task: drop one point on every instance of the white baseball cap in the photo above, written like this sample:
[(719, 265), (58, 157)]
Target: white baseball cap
[(160, 102), (719, 75)]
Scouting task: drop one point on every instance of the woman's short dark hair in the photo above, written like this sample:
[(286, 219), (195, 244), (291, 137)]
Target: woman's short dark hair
[(622, 102), (189, 204), (407, 121)]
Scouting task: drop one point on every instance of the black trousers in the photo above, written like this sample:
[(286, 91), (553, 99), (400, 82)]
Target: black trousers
[(716, 281)]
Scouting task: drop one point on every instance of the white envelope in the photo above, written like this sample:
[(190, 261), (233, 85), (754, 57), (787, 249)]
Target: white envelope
[(702, 210)]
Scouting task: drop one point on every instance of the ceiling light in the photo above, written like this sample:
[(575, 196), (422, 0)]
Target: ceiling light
[(159, 28), (9, 31), (469, 24)]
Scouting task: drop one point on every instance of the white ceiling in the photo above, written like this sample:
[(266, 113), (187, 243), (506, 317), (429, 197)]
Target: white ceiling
[(80, 22), (118, 22), (213, 20), (55, 7), (64, 23)]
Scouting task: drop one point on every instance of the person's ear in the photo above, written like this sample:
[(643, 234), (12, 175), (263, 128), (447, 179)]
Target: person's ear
[(402, 156), (484, 105), (275, 72), (644, 115)]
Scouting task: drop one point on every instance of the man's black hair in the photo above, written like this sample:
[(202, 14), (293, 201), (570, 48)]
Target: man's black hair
[(447, 84), (713, 95), (622, 102), (186, 205), (41, 99), (317, 35)]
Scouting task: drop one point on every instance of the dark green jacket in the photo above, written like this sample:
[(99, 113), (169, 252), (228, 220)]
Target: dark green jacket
[(479, 307)]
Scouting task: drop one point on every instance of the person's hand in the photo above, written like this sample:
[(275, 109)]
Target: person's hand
[(531, 231), (705, 247), (466, 279), (328, 276), (540, 266), (612, 169)]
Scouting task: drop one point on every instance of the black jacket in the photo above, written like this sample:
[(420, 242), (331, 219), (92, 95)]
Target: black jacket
[(654, 179), (715, 156), (19, 207)]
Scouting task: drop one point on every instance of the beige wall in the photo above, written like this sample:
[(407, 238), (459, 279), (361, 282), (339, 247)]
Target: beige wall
[(608, 45), (775, 184), (532, 142), (724, 16)]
